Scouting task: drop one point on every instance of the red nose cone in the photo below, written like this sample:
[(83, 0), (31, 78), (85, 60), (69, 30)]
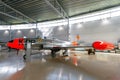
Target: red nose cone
[(100, 45)]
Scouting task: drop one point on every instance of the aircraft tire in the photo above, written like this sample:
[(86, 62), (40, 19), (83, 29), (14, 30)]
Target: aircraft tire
[(53, 55), (24, 57), (89, 51), (93, 53)]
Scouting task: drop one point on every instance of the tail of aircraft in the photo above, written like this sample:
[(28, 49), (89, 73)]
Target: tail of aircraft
[(17, 43)]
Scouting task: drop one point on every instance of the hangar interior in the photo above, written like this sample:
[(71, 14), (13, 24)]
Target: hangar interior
[(92, 20)]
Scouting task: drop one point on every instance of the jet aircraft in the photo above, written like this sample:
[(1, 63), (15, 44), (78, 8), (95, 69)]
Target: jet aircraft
[(56, 45)]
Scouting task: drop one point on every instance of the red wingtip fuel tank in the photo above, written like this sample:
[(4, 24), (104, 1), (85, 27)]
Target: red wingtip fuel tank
[(102, 45), (17, 43)]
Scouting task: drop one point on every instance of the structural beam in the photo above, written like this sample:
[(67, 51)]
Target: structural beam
[(4, 21), (15, 13), (12, 16), (58, 8)]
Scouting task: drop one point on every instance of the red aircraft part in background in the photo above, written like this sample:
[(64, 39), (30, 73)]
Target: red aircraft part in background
[(100, 45), (17, 43)]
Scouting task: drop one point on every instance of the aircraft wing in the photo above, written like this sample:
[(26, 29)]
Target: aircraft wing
[(46, 46)]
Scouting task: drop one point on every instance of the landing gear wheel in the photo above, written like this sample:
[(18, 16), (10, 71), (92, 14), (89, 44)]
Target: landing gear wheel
[(93, 53), (24, 57), (89, 51), (53, 55)]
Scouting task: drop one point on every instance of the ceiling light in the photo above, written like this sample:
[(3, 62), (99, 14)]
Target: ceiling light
[(24, 37), (31, 30), (19, 31), (60, 28), (79, 25), (6, 32), (105, 21)]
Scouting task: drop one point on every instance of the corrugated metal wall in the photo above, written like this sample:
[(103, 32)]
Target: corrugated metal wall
[(90, 32), (61, 34), (96, 30), (16, 34)]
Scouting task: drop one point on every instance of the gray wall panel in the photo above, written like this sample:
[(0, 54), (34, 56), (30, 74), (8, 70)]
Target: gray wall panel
[(95, 30), (91, 31), (62, 34), (15, 34), (4, 36)]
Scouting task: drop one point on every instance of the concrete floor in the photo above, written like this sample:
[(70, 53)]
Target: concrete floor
[(79, 66), (10, 63)]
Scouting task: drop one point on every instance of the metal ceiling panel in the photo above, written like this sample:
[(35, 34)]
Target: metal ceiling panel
[(78, 7), (39, 11)]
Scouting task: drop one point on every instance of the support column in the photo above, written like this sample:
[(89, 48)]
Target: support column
[(10, 33), (68, 29), (36, 31), (28, 52), (28, 59)]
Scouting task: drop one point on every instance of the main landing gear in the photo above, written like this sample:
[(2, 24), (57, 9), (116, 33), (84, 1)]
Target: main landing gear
[(56, 49), (53, 51), (91, 51)]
